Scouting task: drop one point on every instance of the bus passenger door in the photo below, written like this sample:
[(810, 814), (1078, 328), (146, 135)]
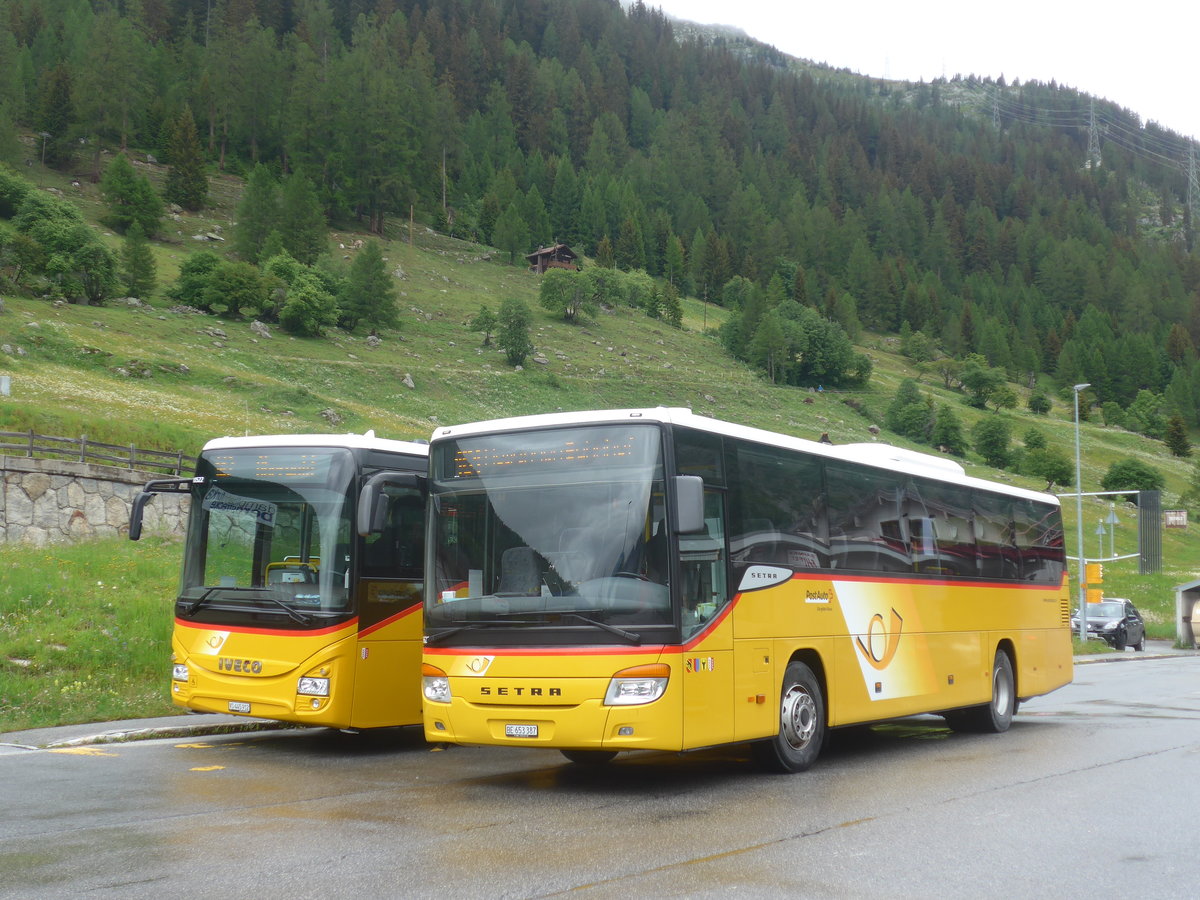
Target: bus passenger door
[(387, 673), (707, 661)]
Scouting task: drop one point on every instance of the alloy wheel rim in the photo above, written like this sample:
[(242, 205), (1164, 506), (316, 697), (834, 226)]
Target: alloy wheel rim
[(799, 717)]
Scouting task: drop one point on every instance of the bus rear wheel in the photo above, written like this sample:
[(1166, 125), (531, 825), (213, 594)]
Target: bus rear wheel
[(801, 723), (589, 757), (996, 715)]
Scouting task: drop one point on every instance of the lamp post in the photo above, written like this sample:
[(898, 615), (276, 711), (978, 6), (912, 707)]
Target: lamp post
[(1079, 518)]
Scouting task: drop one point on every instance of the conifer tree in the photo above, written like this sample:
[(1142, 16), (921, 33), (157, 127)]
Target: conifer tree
[(56, 117), (302, 223), (511, 234), (1176, 437), (258, 215), (187, 183), (630, 251), (669, 304), (369, 297), (604, 253), (992, 434), (948, 432), (910, 413), (138, 269), (130, 198), (769, 344), (674, 261)]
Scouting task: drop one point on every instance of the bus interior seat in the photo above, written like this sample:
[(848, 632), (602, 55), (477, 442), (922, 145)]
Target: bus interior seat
[(520, 573)]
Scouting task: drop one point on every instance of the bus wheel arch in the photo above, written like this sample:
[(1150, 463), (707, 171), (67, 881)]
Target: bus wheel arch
[(803, 722)]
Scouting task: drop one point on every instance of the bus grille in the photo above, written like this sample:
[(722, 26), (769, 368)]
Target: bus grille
[(1065, 612)]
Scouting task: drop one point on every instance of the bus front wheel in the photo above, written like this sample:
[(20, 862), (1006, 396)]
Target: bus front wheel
[(801, 723), (996, 715)]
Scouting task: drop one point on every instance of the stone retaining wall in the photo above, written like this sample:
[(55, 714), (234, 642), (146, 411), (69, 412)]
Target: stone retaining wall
[(47, 500)]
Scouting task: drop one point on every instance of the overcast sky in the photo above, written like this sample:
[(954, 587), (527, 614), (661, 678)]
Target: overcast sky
[(1140, 55)]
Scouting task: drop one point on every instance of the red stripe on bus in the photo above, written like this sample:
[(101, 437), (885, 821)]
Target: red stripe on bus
[(280, 632), (371, 629)]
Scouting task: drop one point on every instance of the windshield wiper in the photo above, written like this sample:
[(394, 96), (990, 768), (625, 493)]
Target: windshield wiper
[(632, 636), (437, 636), (295, 614), (199, 602), (270, 595)]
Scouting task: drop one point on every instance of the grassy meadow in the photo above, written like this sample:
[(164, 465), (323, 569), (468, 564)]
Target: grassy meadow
[(84, 629)]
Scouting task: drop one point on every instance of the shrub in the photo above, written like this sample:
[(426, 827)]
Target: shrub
[(1132, 474), (513, 331)]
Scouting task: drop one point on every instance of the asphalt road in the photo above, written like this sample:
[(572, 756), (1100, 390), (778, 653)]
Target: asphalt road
[(1094, 792)]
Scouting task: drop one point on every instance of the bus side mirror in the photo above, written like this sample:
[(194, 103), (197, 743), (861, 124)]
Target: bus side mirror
[(689, 504), (372, 502), (159, 486), (135, 515)]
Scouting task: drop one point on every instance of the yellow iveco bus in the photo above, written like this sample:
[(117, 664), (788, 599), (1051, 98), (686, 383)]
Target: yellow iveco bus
[(285, 612), (654, 579)]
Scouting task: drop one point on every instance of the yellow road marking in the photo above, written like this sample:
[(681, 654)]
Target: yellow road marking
[(83, 751)]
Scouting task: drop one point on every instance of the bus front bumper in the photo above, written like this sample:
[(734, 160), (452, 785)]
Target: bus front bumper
[(589, 725)]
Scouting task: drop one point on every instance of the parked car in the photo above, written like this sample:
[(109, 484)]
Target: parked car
[(1115, 620)]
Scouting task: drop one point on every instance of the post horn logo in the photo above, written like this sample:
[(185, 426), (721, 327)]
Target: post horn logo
[(882, 642)]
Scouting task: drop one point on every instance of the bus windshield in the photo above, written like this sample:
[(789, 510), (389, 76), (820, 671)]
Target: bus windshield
[(269, 532), (564, 527)]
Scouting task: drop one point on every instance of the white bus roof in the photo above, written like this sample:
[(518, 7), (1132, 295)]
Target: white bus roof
[(884, 456), (366, 441)]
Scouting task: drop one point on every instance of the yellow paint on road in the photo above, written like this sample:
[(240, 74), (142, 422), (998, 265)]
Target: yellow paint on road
[(83, 751)]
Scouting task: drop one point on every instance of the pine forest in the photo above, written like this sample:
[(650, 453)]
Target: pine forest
[(1006, 233)]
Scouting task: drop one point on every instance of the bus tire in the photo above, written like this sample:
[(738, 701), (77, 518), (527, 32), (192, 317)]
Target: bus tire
[(801, 723), (996, 715), (589, 757)]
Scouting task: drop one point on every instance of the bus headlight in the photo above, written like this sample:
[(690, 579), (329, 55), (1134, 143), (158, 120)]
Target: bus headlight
[(179, 672), (435, 684), (313, 687), (638, 685)]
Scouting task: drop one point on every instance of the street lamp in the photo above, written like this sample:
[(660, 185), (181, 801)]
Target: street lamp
[(1079, 518)]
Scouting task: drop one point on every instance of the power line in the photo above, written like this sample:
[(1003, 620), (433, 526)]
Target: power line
[(1100, 123)]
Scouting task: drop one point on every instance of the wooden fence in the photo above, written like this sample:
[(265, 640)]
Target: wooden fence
[(80, 449)]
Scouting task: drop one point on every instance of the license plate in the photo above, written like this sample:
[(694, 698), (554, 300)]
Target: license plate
[(521, 731), (238, 706)]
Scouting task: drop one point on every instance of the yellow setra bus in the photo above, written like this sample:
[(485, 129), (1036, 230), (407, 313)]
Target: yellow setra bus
[(655, 579), (285, 610)]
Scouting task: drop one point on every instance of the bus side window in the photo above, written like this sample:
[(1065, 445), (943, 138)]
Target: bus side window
[(702, 567), (396, 552)]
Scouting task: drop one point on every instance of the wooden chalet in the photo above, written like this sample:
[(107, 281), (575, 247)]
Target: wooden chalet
[(559, 256)]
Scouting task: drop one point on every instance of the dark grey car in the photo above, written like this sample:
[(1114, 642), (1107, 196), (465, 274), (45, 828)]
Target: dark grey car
[(1116, 621)]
